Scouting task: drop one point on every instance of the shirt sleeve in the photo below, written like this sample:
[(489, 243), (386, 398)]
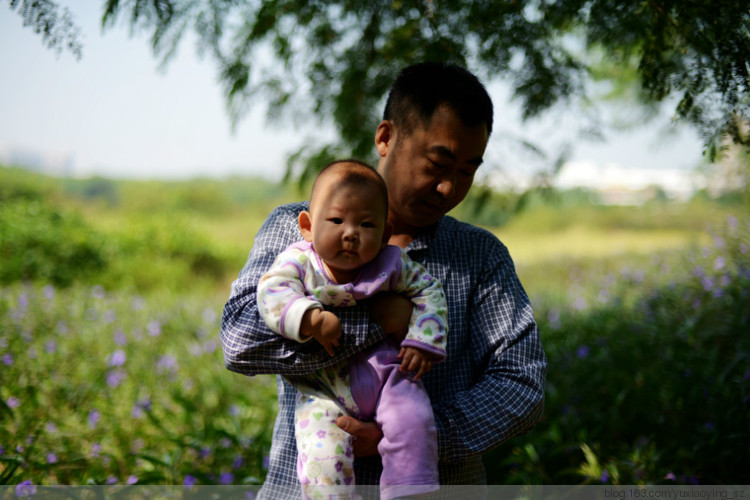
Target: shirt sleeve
[(507, 398), (282, 299), (250, 347), (428, 327)]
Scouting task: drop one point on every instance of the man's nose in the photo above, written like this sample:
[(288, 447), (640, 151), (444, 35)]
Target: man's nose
[(447, 187)]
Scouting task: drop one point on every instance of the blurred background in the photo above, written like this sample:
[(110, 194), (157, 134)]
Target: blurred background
[(142, 144)]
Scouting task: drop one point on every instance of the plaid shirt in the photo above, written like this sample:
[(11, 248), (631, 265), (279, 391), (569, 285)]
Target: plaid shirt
[(490, 388)]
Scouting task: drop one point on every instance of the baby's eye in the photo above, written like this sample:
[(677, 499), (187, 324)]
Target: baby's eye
[(368, 224), (336, 220)]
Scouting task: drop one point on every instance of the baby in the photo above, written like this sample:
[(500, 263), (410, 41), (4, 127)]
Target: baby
[(345, 257)]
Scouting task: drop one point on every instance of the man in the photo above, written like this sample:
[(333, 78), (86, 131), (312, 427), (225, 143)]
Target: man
[(491, 387)]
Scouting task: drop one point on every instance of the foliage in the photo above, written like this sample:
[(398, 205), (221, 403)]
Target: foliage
[(119, 235), (649, 373), (101, 388), (339, 58), (342, 56), (38, 242), (56, 26)]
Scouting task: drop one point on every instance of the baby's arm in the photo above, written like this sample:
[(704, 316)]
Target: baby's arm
[(286, 307), (428, 327)]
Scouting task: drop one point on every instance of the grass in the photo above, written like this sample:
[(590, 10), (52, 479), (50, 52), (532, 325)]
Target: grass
[(112, 373)]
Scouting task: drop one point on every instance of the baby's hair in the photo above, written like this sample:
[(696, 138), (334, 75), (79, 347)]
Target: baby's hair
[(356, 173)]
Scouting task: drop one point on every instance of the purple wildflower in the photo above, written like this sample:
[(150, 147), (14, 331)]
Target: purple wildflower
[(7, 359), (117, 358), (51, 458), (25, 489), (132, 479), (226, 478), (209, 316), (605, 476), (49, 292), (166, 363), (583, 352), (94, 417), (719, 263), (51, 346), (13, 402), (109, 316), (154, 328), (115, 378), (120, 338), (189, 481), (62, 327), (97, 292), (238, 462)]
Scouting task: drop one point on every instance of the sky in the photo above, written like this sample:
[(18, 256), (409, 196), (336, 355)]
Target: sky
[(114, 113)]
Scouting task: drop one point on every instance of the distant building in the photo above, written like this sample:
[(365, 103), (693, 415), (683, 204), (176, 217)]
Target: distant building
[(620, 185)]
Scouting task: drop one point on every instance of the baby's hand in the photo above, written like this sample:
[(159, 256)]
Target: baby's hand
[(413, 359), (323, 326)]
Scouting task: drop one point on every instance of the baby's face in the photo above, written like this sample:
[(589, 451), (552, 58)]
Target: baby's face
[(348, 226)]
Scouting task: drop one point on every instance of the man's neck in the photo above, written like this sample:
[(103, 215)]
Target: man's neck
[(401, 240)]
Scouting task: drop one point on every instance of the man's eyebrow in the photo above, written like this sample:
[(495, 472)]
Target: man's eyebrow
[(446, 152)]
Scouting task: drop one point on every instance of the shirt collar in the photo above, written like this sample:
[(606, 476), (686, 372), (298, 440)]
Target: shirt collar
[(424, 238)]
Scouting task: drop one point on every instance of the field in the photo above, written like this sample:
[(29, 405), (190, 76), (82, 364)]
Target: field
[(111, 371)]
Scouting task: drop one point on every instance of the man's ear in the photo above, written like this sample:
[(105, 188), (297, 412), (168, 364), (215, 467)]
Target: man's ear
[(305, 225), (384, 137), (387, 233)]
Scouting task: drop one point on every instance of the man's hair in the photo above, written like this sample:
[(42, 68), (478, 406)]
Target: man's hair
[(420, 89), (354, 173)]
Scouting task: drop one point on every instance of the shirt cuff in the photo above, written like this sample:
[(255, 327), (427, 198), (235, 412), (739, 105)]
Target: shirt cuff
[(291, 318)]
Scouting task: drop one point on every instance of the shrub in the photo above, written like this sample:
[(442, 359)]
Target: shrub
[(652, 390), (39, 242)]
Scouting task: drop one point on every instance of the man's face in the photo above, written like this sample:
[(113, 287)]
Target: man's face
[(429, 171)]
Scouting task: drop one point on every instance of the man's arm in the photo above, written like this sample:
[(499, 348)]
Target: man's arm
[(249, 346), (507, 398)]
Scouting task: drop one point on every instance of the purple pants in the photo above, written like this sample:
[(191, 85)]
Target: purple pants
[(400, 406)]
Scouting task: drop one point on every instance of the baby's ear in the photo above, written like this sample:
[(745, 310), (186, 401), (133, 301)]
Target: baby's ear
[(387, 233), (305, 225)]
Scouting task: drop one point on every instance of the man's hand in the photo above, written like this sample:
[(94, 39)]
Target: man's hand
[(367, 435), (392, 312), (414, 360), (323, 326)]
